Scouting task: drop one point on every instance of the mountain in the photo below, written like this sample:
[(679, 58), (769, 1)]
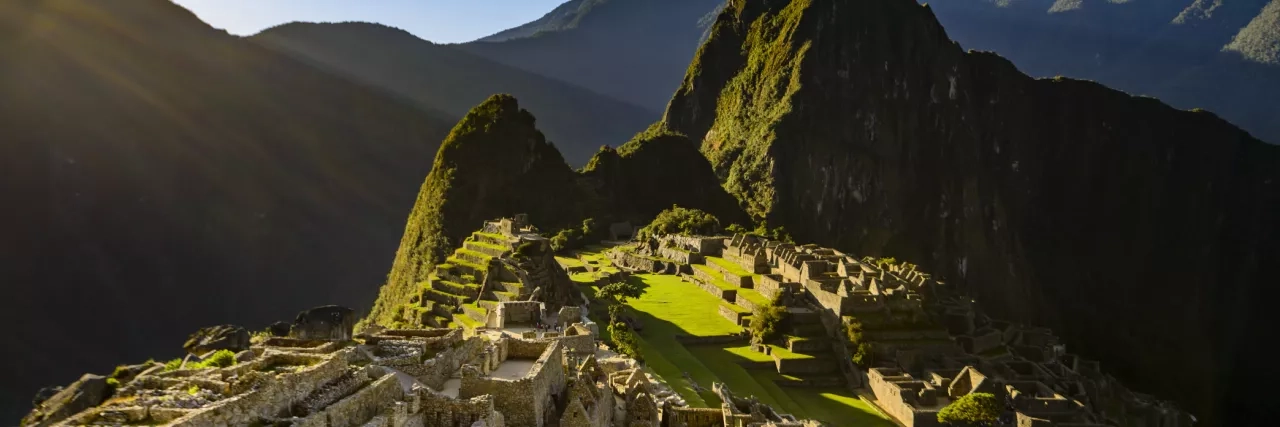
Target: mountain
[(448, 79), (563, 17), (1219, 55), (159, 175), (496, 163), (1139, 233), (608, 46)]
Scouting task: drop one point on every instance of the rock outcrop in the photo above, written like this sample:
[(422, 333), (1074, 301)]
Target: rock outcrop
[(330, 322), (1137, 231), (214, 338), (86, 393)]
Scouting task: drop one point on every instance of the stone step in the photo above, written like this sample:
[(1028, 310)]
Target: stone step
[(470, 291), (493, 239), (808, 330), (806, 345), (444, 298), (474, 312), (478, 258), (488, 249), (804, 316)]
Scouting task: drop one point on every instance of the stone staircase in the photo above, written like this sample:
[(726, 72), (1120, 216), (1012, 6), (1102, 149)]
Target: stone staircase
[(810, 348), (462, 290)]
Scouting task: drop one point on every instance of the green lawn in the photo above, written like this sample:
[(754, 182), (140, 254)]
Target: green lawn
[(730, 266), (716, 280), (568, 262), (754, 296), (671, 306)]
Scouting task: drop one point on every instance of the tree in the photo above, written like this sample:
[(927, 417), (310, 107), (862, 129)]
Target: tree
[(767, 321), (678, 220), (974, 409), (617, 293)]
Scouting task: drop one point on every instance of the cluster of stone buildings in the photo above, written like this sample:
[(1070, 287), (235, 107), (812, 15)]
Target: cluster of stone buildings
[(318, 372), (928, 344)]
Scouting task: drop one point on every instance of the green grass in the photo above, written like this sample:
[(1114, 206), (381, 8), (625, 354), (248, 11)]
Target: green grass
[(494, 236), (476, 254), (462, 262), (569, 262), (754, 296), (671, 306), (716, 280), (488, 245), (467, 321), (729, 266), (583, 277), (477, 308)]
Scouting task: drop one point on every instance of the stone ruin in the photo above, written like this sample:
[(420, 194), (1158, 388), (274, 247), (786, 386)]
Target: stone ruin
[(504, 373), (927, 344)]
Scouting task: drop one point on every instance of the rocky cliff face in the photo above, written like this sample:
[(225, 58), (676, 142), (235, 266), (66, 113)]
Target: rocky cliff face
[(1137, 231)]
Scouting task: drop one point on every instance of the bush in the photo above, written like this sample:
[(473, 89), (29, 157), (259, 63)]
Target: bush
[(173, 365), (576, 237), (767, 321), (221, 359), (624, 340), (678, 220), (974, 409)]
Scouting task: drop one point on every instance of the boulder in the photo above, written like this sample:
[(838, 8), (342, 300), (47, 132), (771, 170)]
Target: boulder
[(279, 329), (44, 394), (90, 391), (214, 338), (331, 322)]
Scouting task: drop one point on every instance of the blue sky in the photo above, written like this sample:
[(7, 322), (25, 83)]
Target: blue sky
[(440, 21)]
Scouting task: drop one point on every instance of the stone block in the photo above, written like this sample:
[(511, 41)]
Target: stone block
[(332, 322)]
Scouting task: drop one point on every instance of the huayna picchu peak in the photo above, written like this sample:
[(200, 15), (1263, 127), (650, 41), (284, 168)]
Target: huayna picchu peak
[(842, 217)]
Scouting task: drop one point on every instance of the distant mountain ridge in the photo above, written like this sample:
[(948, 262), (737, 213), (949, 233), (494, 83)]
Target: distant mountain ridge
[(449, 79), (159, 175), (1220, 55), (634, 51)]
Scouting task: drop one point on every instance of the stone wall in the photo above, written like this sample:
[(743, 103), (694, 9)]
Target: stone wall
[(525, 401), (770, 284), (273, 397), (519, 313), (443, 411), (734, 316), (694, 417), (438, 369), (896, 392), (733, 279), (703, 279), (714, 339), (361, 406)]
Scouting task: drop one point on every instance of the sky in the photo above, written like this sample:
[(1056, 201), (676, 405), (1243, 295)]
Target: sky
[(440, 21)]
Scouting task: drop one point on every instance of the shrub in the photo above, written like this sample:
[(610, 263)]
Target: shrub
[(120, 372), (624, 339), (112, 385), (678, 220), (974, 409), (767, 321), (173, 365), (220, 359)]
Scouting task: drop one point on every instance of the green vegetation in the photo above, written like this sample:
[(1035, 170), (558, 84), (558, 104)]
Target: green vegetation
[(219, 359), (752, 104), (494, 163), (767, 322), (716, 280), (974, 409), (576, 237), (671, 307), (678, 220), (729, 266), (763, 230), (617, 293)]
